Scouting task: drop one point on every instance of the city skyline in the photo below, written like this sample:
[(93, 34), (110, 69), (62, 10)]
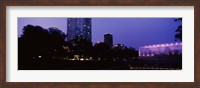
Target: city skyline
[(131, 32)]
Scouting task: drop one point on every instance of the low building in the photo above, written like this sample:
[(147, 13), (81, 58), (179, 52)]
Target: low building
[(108, 39), (160, 49)]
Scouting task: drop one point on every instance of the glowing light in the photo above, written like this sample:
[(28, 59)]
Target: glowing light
[(39, 56), (152, 54), (161, 49), (147, 54), (98, 42)]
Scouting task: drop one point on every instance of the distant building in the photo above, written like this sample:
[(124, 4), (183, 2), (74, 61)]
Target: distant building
[(119, 47), (108, 39), (160, 49), (79, 27)]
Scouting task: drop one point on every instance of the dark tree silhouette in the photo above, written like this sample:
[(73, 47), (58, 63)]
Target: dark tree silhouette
[(178, 20), (36, 42), (178, 35), (81, 46), (56, 42), (57, 37), (122, 52), (102, 50), (41, 48), (132, 52)]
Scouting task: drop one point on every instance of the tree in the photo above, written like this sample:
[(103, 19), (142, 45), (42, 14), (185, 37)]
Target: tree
[(132, 52), (102, 50), (81, 46), (31, 44), (178, 35), (57, 38), (36, 42)]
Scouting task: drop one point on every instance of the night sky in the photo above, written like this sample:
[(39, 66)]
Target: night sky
[(132, 32)]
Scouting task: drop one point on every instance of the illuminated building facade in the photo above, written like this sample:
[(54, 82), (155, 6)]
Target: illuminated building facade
[(108, 39), (79, 27), (160, 49)]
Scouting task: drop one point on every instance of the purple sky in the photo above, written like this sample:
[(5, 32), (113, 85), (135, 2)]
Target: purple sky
[(132, 32)]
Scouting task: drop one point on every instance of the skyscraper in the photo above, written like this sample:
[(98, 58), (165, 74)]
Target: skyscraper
[(108, 39), (79, 27)]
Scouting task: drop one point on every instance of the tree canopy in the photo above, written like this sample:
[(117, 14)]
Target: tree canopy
[(178, 35)]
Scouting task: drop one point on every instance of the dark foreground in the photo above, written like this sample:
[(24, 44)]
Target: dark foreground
[(153, 63)]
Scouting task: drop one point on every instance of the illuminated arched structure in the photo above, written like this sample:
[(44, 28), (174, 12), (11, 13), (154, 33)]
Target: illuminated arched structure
[(160, 49)]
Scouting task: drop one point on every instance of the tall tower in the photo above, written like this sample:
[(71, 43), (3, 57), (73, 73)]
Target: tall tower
[(108, 39), (79, 27)]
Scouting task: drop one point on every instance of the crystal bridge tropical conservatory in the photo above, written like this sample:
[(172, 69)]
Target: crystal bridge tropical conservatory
[(161, 49)]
